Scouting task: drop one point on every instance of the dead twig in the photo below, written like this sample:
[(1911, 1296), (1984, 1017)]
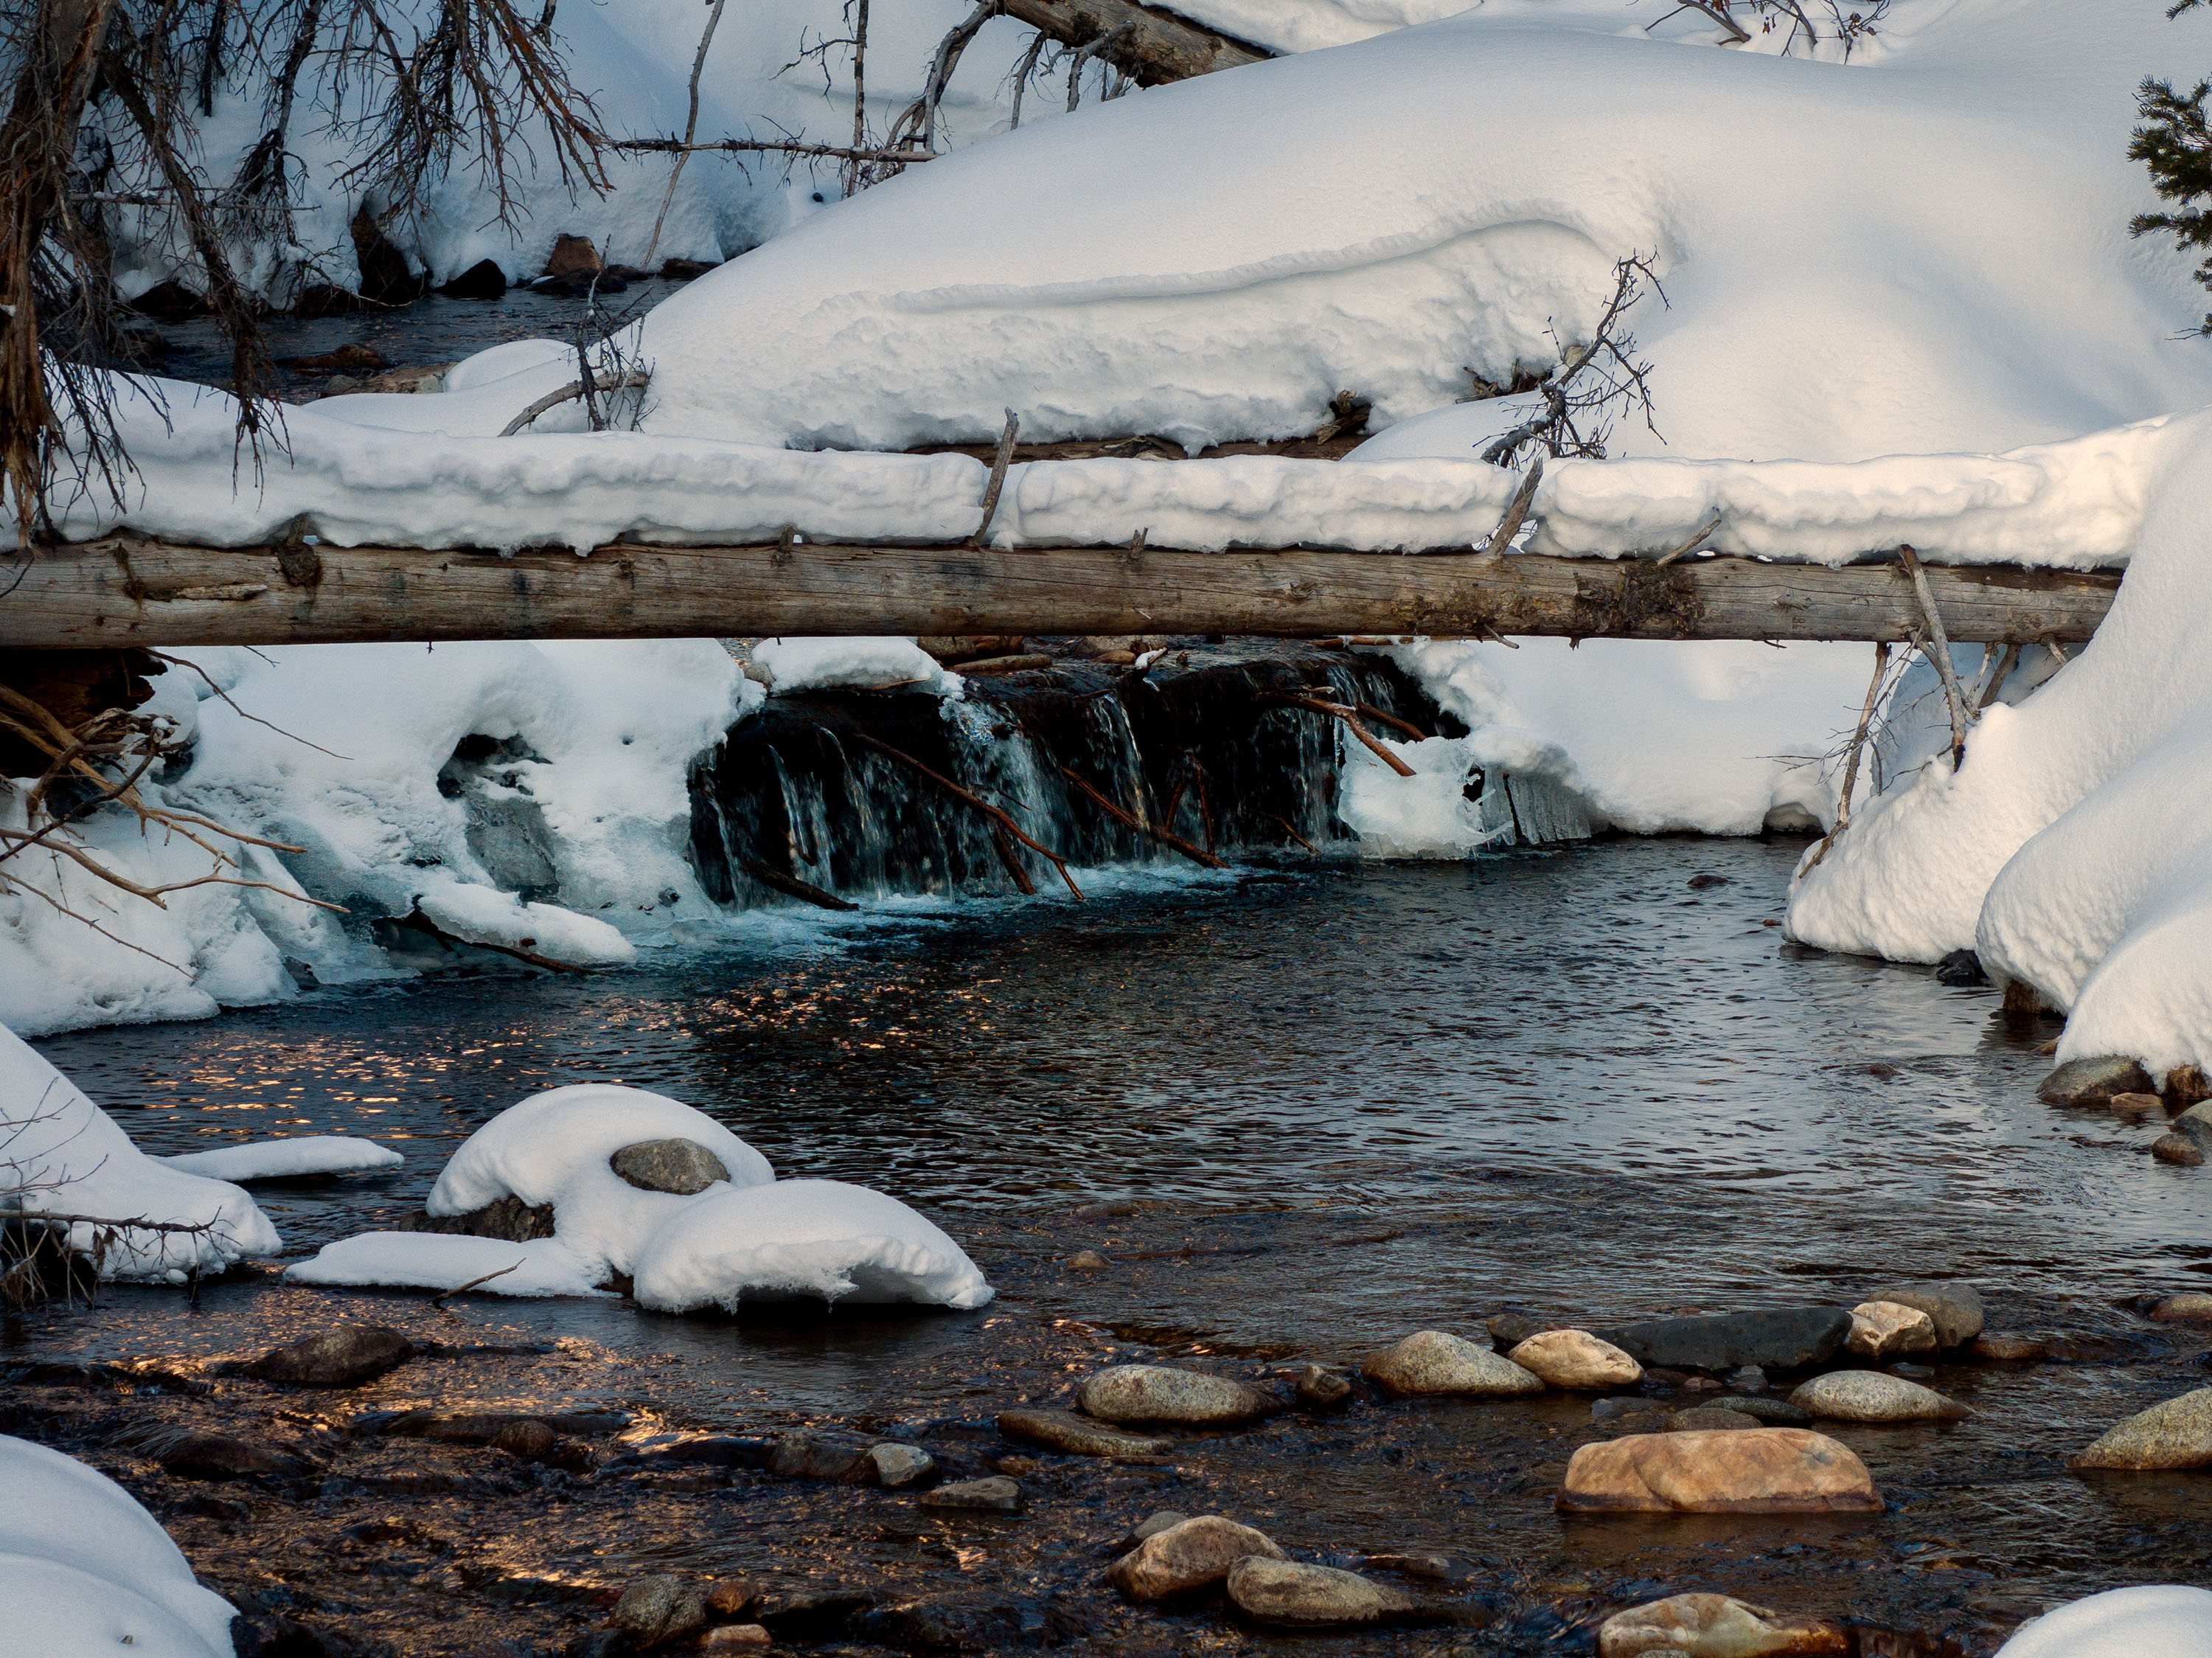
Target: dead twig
[(1278, 818), (438, 1301), (1000, 461), (1516, 510), (1692, 544), (634, 379), (1954, 698), (1852, 757), (1197, 855), (1350, 718), (690, 130), (792, 886)]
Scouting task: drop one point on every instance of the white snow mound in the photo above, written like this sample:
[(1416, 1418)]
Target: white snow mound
[(84, 1570), (858, 664), (2167, 1621), (61, 1154), (803, 1239), (431, 1260), (553, 1148), (277, 1160)]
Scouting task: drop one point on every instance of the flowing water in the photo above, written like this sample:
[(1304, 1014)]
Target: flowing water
[(1321, 1106)]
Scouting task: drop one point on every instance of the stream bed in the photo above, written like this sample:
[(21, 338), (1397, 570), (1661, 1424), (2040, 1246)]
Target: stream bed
[(1303, 1111)]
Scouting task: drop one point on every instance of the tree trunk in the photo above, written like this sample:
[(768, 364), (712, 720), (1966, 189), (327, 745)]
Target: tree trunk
[(1150, 45)]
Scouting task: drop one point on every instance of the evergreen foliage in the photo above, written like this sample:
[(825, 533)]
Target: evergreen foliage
[(2175, 140)]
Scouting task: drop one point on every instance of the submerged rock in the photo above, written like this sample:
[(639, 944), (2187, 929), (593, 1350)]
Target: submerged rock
[(2176, 1434), (1321, 1389), (1290, 1594), (1509, 1330), (1710, 1418), (1870, 1396), (994, 1494), (1151, 1525), (202, 1456), (2137, 1106), (344, 1357), (818, 1456), (1434, 1363), (1780, 1338), (1159, 1392), (2189, 1307), (1993, 1345), (1881, 1329), (1192, 1556), (1955, 1308), (2092, 1082), (1774, 1412), (656, 1610), (2179, 1149), (1762, 1471), (507, 1219), (1063, 1430), (1715, 1627), (1574, 1359), (683, 1167), (897, 1464), (1960, 967)]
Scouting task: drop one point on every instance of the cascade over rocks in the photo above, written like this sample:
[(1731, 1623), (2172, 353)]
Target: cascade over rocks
[(1159, 1392), (1761, 1470), (1870, 1396), (1192, 1556), (1291, 1594), (1782, 1338), (1716, 1626), (1435, 1362), (2176, 1434)]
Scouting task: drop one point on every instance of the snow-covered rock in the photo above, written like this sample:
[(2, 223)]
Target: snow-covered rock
[(553, 1148), (797, 665), (431, 1260), (2167, 1621), (812, 1238), (61, 1154), (86, 1571), (279, 1160)]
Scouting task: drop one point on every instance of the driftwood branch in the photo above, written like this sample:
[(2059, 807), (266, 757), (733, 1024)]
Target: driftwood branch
[(1350, 718), (1129, 820), (1000, 461), (1851, 756), (775, 147), (792, 886), (634, 379), (995, 814), (1150, 44), (1954, 697)]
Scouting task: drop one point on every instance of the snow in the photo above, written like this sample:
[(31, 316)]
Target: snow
[(432, 1260), (553, 1148), (85, 1570), (279, 1160), (2166, 1621), (803, 1238), (855, 664), (61, 1154), (2071, 848)]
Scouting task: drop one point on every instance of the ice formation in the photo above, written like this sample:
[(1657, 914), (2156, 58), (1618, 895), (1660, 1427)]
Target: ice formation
[(280, 1160), (85, 1571), (816, 1239), (2165, 1621), (62, 1155)]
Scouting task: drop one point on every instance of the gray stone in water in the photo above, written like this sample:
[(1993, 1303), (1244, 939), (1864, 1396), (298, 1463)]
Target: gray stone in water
[(897, 1464), (1704, 1419), (1291, 1594), (1321, 1389), (1159, 1392), (1774, 1412), (1438, 1363), (683, 1167), (996, 1494), (1955, 1307), (2177, 1433), (507, 1219), (1748, 1380), (1151, 1526), (1191, 1556), (2177, 1148), (2092, 1082), (817, 1456), (1063, 1430), (344, 1357), (202, 1455), (655, 1610), (1782, 1337), (1870, 1396)]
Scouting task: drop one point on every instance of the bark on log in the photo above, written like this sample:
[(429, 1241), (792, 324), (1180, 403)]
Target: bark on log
[(1150, 46), (126, 590)]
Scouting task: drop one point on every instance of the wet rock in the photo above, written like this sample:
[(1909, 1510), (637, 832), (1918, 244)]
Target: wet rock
[(1774, 1412), (1955, 1308), (2187, 1084), (737, 1637), (2179, 1149), (508, 1219), (735, 1598), (1782, 1338), (897, 1464), (1881, 1329), (2196, 1124), (1063, 1430), (1762, 1471), (1870, 1396), (1158, 1392), (719, 1451), (1631, 1415), (202, 1456), (2177, 1433), (1960, 967), (1149, 1527), (2190, 1307), (656, 1610), (2092, 1082), (2135, 1106), (808, 1614), (993, 1495), (1188, 1557), (530, 1439), (683, 270), (1577, 1360), (481, 1427), (1993, 1345), (482, 280), (1716, 1626), (1087, 1260), (344, 1357), (1748, 1380), (1321, 1389), (943, 1626), (817, 1456), (683, 1167), (1429, 1568), (573, 257), (1710, 1418), (1509, 1330), (1290, 1594), (1432, 1362)]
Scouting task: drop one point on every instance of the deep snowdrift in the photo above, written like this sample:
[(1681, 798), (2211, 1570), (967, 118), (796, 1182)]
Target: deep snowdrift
[(62, 1155), (2071, 848), (2165, 1621)]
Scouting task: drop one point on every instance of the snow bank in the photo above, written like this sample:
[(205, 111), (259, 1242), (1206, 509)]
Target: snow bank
[(553, 1148), (803, 1238), (2167, 1621), (2070, 850), (84, 1570), (279, 1160), (430, 1260), (860, 664), (61, 1154)]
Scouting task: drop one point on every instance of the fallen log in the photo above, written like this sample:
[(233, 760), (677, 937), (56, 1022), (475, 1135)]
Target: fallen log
[(1150, 44), (128, 590)]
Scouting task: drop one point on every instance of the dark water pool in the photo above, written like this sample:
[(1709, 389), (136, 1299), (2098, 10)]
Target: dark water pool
[(1370, 1100)]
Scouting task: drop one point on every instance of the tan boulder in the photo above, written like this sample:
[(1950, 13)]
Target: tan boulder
[(1576, 1359), (1754, 1471), (2189, 1307), (1160, 1392), (1433, 1362), (572, 256), (2177, 1433), (1715, 1627), (1188, 1557), (1291, 1594), (1871, 1396), (1882, 1330)]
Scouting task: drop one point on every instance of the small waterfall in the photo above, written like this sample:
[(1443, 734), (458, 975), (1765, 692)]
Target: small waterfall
[(834, 790)]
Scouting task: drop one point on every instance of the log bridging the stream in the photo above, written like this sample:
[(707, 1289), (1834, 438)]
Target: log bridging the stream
[(130, 590)]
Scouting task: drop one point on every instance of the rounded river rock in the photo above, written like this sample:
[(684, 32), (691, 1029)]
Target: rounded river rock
[(1158, 1392)]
